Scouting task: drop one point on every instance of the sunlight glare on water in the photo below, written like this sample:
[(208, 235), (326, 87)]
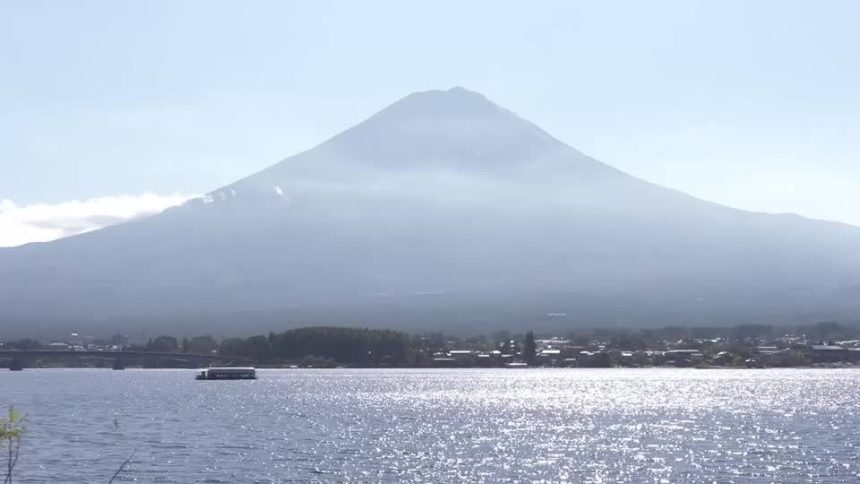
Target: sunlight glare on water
[(614, 425)]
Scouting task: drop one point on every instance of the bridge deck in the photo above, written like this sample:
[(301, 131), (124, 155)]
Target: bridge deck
[(118, 355)]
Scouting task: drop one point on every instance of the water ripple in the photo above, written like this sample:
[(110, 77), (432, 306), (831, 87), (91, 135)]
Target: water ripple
[(650, 425)]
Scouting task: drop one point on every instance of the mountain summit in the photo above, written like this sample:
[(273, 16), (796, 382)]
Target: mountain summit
[(456, 102), (444, 125), (431, 135), (443, 210)]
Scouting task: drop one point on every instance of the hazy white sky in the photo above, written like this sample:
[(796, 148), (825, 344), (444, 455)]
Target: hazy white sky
[(750, 104)]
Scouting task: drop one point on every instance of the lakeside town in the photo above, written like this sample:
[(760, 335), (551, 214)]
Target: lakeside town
[(746, 346)]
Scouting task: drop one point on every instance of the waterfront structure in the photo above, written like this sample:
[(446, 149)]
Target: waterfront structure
[(227, 373)]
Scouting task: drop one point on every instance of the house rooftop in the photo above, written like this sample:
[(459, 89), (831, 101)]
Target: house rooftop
[(827, 348)]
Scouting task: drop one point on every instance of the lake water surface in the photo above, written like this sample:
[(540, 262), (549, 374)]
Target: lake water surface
[(614, 425)]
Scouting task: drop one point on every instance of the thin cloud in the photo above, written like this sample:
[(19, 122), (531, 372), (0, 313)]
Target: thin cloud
[(43, 222)]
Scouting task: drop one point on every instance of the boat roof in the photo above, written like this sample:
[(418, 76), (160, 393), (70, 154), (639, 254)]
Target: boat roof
[(231, 368)]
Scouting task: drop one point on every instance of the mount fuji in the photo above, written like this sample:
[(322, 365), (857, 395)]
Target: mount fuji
[(442, 211)]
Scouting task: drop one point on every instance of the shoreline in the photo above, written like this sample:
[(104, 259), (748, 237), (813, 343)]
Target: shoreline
[(458, 368)]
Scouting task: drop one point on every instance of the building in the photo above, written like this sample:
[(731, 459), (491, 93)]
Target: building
[(829, 353), (684, 357)]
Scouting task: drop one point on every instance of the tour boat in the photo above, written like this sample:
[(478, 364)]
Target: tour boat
[(227, 373)]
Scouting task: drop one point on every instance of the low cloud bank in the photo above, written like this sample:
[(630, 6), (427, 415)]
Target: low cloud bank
[(42, 222)]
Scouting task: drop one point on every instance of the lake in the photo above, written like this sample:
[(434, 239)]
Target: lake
[(458, 425)]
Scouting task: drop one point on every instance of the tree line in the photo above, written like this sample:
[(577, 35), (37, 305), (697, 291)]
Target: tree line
[(325, 346), (332, 346)]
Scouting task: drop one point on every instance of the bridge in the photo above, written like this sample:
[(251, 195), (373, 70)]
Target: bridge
[(120, 357)]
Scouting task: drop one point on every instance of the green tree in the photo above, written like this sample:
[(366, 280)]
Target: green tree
[(11, 430), (24, 344), (350, 346), (164, 344), (202, 344), (530, 348), (259, 347), (234, 347)]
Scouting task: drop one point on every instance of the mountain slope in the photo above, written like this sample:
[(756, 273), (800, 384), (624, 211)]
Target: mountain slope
[(442, 210)]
